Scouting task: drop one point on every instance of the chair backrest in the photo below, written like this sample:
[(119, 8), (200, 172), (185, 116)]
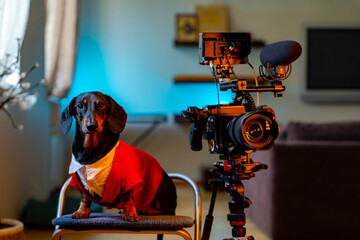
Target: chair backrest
[(197, 215), (191, 183)]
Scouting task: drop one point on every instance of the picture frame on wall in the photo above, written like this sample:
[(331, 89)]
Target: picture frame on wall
[(212, 18), (187, 32)]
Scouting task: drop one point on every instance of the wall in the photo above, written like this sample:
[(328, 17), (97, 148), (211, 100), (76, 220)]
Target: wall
[(126, 49), (25, 155)]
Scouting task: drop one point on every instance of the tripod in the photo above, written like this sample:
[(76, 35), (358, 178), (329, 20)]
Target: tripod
[(232, 171)]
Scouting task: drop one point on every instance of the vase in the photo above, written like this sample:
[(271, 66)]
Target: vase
[(11, 229)]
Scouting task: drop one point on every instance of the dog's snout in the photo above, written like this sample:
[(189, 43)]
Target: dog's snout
[(92, 126)]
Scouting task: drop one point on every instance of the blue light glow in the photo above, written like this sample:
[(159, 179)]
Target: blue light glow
[(134, 65)]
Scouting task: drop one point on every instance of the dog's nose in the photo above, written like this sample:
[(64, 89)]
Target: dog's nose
[(92, 127)]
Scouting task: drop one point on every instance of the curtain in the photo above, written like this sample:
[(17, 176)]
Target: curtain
[(60, 45), (13, 21)]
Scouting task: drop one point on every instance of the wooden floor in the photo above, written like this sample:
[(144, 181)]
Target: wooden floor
[(220, 229)]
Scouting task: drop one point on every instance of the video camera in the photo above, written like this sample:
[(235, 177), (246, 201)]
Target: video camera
[(240, 125), (237, 129)]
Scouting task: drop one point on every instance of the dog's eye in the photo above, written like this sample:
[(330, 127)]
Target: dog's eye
[(80, 106), (100, 104)]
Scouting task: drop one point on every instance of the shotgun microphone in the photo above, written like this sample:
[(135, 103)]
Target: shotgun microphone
[(277, 57)]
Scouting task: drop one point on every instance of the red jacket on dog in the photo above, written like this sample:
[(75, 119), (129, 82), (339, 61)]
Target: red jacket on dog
[(131, 167)]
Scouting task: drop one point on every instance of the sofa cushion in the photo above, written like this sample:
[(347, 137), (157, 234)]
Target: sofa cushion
[(333, 131), (282, 133)]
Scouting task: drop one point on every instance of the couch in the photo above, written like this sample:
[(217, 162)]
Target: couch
[(311, 189)]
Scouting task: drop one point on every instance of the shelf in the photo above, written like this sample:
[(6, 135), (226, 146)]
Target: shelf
[(189, 78), (180, 119), (186, 44), (255, 43)]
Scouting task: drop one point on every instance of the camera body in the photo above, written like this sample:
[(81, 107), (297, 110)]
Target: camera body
[(232, 127)]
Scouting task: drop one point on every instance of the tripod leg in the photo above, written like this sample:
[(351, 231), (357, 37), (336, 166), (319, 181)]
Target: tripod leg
[(210, 218)]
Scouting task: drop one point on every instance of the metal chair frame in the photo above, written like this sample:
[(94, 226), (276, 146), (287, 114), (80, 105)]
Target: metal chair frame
[(183, 233)]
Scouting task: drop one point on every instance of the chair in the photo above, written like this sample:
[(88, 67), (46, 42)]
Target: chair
[(113, 223)]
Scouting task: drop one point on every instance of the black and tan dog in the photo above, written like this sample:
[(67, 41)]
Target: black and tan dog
[(108, 171)]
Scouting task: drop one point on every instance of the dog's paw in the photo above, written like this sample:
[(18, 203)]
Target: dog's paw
[(81, 213), (129, 212), (131, 217)]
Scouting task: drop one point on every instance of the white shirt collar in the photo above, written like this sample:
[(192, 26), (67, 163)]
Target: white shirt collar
[(93, 176), (101, 163)]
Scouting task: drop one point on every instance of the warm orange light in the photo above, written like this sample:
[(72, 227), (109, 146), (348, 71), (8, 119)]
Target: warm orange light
[(273, 112), (281, 70)]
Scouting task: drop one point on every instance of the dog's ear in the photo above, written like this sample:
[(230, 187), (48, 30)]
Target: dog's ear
[(66, 118), (116, 118)]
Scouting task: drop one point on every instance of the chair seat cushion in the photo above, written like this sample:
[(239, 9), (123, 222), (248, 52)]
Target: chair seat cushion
[(115, 221)]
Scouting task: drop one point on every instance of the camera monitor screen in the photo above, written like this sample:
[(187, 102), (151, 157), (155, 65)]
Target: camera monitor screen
[(216, 47)]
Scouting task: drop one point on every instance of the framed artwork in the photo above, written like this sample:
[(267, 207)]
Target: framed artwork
[(186, 29), (212, 18)]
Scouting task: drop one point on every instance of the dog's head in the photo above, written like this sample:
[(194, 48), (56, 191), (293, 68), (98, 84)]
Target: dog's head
[(93, 111)]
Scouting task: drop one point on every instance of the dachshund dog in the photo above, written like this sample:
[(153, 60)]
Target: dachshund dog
[(108, 171)]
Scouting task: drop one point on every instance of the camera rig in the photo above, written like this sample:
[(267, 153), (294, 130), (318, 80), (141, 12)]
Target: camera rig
[(233, 130)]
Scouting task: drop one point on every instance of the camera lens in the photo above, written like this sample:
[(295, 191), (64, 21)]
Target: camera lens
[(253, 131)]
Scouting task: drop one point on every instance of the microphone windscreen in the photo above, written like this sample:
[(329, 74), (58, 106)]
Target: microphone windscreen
[(280, 53)]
